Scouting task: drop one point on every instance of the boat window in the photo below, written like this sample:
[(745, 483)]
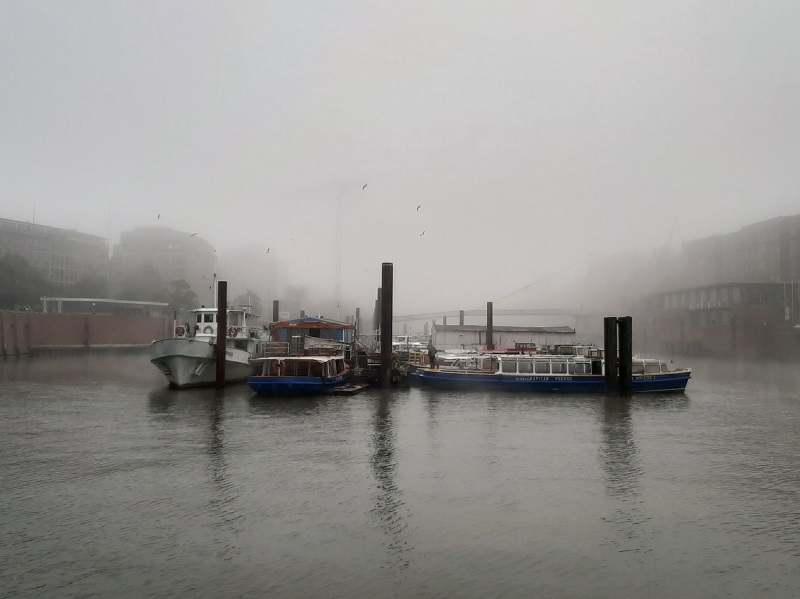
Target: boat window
[(579, 368), (637, 368), (652, 368), (525, 366), (558, 367), (542, 367), (664, 367), (508, 366), (199, 318), (208, 318)]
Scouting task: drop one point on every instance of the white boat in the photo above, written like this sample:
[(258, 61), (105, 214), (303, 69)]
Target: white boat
[(189, 358)]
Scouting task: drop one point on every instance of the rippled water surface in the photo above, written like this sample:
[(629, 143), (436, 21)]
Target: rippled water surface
[(113, 485)]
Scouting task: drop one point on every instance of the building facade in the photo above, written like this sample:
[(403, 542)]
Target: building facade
[(731, 320), (64, 257), (764, 252), (735, 295), (176, 255)]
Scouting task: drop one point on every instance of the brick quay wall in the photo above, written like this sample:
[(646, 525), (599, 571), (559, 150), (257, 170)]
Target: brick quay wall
[(23, 333)]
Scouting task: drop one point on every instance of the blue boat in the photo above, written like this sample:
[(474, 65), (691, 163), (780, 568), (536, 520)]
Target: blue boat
[(299, 375), (545, 373)]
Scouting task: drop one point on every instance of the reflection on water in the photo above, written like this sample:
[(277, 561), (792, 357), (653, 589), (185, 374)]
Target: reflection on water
[(389, 505), (619, 457), (115, 485), (619, 454)]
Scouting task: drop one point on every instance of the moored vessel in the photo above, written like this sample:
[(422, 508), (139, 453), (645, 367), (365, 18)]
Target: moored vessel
[(569, 369), (315, 373), (189, 358)]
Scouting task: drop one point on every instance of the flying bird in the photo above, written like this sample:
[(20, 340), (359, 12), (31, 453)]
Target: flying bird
[(268, 250), (421, 234), (193, 234), (159, 217), (363, 187), (418, 207)]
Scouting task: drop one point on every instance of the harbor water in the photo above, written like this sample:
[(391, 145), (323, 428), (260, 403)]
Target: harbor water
[(114, 485)]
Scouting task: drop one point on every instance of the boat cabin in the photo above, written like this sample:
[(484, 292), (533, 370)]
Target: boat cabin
[(303, 366), (563, 365)]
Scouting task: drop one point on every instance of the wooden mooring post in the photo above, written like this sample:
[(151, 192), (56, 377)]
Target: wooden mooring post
[(618, 355), (489, 327), (385, 293), (222, 330)]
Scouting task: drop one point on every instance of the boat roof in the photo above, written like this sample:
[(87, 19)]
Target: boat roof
[(297, 358)]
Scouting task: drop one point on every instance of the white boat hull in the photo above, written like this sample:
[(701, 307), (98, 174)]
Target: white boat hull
[(192, 363)]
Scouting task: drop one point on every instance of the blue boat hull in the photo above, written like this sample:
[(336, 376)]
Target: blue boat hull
[(290, 386), (440, 379)]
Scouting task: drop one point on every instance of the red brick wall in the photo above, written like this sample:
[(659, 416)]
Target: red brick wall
[(19, 331)]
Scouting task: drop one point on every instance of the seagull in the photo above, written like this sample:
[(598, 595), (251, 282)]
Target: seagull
[(418, 207), (421, 234), (363, 187), (159, 217), (268, 250), (193, 234)]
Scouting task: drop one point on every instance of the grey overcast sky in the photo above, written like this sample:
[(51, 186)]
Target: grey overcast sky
[(531, 134)]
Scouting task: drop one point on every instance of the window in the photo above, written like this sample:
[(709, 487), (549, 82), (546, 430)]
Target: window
[(525, 367), (637, 368), (558, 367), (208, 318), (508, 366), (579, 368), (542, 367), (652, 368)]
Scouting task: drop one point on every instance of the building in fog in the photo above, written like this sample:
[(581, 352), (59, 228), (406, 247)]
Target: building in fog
[(64, 257), (764, 252), (176, 255), (730, 320), (735, 295)]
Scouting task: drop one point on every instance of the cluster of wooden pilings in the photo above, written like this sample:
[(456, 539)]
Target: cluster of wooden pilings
[(618, 354)]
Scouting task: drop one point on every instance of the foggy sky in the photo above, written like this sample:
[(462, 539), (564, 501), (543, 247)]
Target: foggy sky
[(534, 136)]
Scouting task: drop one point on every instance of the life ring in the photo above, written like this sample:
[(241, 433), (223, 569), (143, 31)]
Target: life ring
[(233, 331), (179, 332), (207, 329)]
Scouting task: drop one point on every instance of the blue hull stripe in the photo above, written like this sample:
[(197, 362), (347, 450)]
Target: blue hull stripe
[(275, 385), (547, 383)]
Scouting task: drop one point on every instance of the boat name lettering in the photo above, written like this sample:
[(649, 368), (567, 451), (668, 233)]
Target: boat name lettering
[(543, 378)]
